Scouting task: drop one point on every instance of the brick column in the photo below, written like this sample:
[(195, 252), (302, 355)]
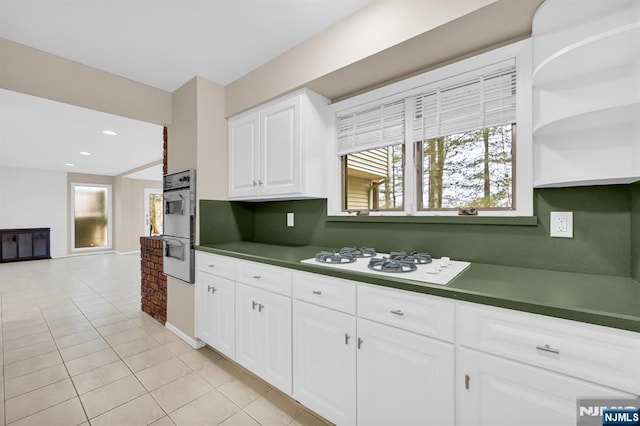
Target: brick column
[(154, 282)]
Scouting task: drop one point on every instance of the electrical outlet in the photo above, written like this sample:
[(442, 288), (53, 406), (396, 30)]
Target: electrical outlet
[(561, 224), (290, 219)]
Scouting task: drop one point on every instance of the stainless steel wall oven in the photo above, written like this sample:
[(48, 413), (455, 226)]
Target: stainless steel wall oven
[(179, 192)]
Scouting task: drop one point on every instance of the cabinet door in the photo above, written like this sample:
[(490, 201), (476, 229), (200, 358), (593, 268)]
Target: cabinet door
[(280, 143), (216, 310), (324, 362), (249, 329), (244, 152), (506, 393), (275, 318), (403, 378)]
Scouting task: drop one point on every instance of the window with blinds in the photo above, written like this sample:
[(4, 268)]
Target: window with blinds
[(461, 136)]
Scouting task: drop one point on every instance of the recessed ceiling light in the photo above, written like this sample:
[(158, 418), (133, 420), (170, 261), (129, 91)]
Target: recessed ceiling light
[(68, 164), (110, 132), (85, 153)]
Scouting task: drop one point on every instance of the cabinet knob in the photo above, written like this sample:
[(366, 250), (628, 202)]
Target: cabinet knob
[(360, 343), (260, 307), (260, 182), (254, 304), (257, 277), (212, 265), (398, 312), (255, 183), (346, 338), (318, 292), (211, 289)]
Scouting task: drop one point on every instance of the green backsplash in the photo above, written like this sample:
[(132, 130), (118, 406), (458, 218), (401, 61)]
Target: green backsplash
[(635, 231), (602, 242)]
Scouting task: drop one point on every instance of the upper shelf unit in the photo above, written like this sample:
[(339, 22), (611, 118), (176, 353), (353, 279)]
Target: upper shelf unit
[(586, 92)]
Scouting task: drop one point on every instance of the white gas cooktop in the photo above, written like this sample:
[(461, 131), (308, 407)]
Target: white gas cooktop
[(439, 271)]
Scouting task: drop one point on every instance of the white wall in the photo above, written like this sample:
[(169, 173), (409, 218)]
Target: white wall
[(35, 199)]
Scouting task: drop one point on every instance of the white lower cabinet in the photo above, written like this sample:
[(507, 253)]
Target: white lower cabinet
[(215, 304), (324, 361), (403, 378), (494, 391), (263, 334)]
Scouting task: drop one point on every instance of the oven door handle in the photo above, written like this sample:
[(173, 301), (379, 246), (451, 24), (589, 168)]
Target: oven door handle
[(179, 255), (172, 198)]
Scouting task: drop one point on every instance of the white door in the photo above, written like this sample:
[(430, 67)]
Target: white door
[(249, 329), (244, 154), (205, 308), (280, 142), (275, 318), (403, 378), (153, 212), (494, 391), (221, 292), (324, 362)]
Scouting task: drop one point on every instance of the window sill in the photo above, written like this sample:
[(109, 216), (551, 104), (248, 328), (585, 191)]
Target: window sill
[(454, 220)]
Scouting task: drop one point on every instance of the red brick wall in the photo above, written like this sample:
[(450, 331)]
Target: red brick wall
[(165, 141), (154, 282)]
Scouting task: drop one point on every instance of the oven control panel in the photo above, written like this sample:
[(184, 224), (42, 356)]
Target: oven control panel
[(179, 180)]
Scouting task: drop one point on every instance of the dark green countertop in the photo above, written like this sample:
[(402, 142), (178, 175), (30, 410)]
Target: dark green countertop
[(597, 299)]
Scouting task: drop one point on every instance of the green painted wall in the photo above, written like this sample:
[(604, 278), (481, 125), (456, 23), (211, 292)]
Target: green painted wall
[(635, 231), (601, 243)]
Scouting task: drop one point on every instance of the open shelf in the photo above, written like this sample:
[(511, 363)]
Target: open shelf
[(553, 15), (597, 118), (602, 51), (567, 181)]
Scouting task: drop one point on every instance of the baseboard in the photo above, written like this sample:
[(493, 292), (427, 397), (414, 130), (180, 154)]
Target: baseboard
[(194, 343), (128, 252)]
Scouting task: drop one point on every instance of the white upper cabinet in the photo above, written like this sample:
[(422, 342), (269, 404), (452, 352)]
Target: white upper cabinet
[(278, 150), (586, 92)]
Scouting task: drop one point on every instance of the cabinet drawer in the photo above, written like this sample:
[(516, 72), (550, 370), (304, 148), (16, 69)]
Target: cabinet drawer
[(221, 266), (604, 355), (271, 278), (329, 292), (428, 315)]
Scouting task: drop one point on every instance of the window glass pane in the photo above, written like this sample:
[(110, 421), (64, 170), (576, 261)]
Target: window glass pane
[(90, 216), (374, 179), (469, 169)]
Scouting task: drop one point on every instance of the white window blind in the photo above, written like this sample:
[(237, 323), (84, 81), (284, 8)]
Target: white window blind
[(373, 127), (486, 98)]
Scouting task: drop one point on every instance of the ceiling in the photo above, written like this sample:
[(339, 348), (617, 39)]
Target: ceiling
[(160, 43)]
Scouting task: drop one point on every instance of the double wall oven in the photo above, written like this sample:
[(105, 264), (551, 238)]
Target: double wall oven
[(179, 192)]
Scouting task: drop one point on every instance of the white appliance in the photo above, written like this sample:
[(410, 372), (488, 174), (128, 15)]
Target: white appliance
[(179, 193), (432, 271)]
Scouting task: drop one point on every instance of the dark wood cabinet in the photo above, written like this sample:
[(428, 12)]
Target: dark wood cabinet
[(24, 244)]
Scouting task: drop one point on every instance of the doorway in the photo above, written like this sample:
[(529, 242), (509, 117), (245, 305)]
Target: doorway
[(153, 219)]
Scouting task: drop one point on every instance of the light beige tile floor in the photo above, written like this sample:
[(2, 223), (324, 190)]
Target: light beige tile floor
[(77, 350)]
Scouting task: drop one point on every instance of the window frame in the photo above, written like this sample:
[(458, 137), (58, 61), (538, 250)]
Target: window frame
[(409, 88), (109, 245)]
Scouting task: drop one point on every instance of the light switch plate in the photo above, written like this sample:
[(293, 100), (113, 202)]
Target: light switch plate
[(561, 225), (290, 219)]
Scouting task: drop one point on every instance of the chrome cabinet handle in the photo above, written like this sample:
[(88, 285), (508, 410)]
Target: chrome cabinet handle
[(257, 277), (254, 304), (359, 343), (346, 338), (211, 289), (467, 379), (255, 183), (212, 265), (547, 348), (260, 183), (260, 307), (318, 292), (398, 312)]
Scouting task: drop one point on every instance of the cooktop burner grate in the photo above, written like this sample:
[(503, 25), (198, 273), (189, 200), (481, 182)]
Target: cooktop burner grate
[(333, 257), (391, 265), (359, 251), (413, 257)]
